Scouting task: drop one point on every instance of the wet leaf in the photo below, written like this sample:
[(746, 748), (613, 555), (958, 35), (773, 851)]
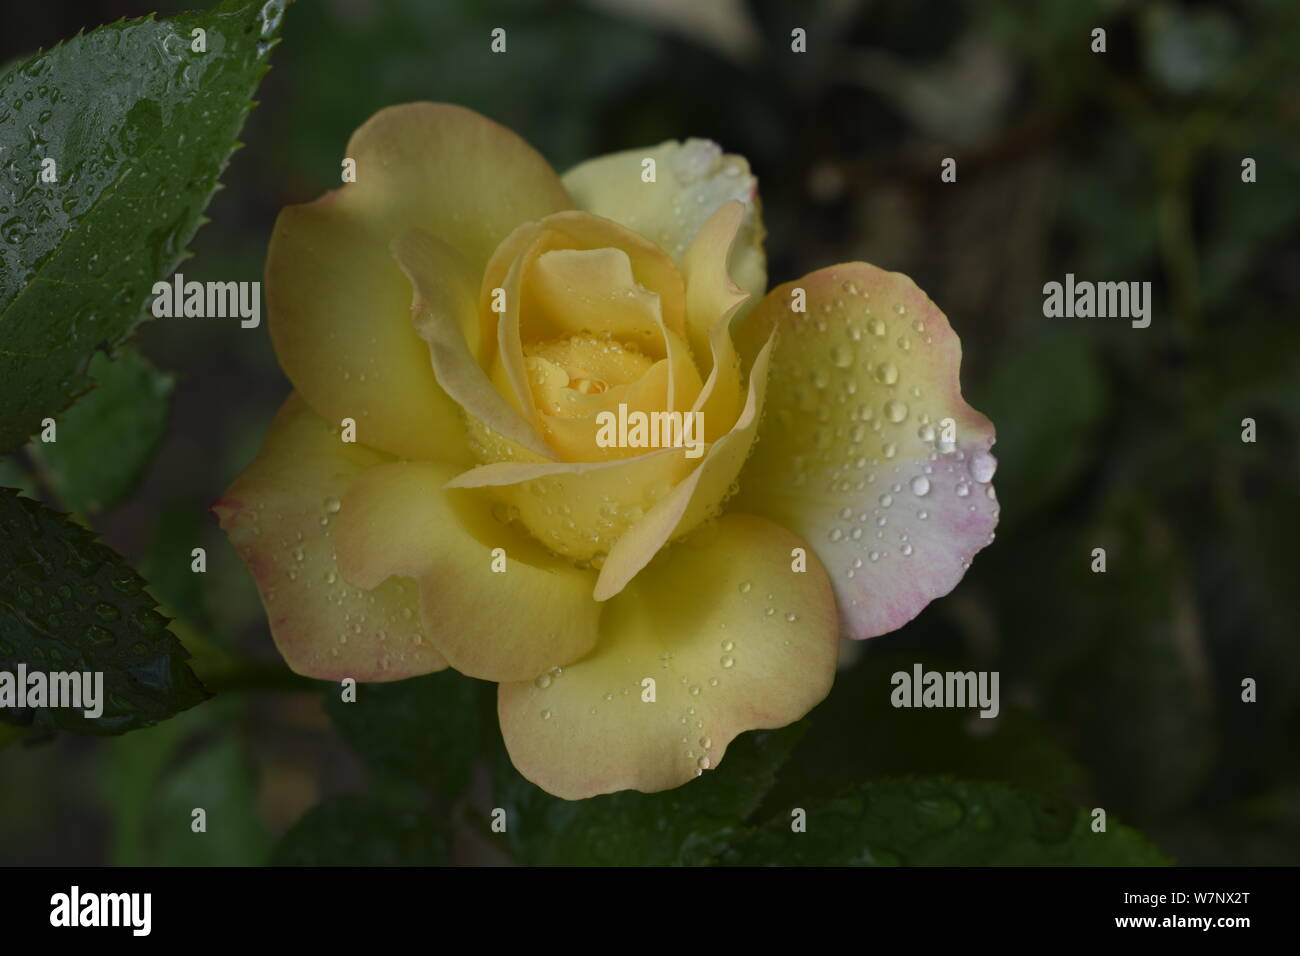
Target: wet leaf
[(69, 603), (425, 729), (938, 821), (139, 127), (689, 826), (361, 831)]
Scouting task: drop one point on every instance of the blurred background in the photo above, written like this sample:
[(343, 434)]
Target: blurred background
[(1120, 690)]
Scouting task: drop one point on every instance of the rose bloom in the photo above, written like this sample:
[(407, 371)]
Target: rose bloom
[(474, 315)]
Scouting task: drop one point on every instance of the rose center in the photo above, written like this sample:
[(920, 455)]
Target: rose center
[(563, 371)]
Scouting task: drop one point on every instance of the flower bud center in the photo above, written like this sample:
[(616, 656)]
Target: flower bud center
[(562, 369)]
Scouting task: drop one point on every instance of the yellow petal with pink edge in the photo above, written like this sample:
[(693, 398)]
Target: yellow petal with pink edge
[(282, 516), (868, 450)]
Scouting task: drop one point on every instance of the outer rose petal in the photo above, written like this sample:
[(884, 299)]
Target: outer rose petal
[(338, 304), (281, 516), (698, 622), (398, 519), (852, 456), (692, 180), (452, 172)]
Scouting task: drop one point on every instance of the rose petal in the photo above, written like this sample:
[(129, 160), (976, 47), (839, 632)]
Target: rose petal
[(692, 180), (571, 230), (453, 173), (574, 437), (693, 500), (592, 290), (282, 516), (581, 508), (400, 520), (337, 302), (734, 641), (511, 270), (852, 456), (712, 299), (445, 316)]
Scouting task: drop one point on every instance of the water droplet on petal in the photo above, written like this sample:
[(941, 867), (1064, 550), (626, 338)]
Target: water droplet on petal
[(982, 467)]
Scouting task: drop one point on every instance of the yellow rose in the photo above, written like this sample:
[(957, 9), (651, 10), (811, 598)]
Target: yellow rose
[(483, 323)]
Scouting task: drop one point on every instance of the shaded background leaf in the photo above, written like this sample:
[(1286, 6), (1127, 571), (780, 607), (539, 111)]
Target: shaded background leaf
[(425, 729), (362, 831), (938, 821), (106, 440)]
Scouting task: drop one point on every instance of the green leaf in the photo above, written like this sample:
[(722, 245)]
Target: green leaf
[(686, 826), (362, 831), (424, 729), (857, 733), (106, 440), (168, 563), (939, 821), (140, 128), (70, 603)]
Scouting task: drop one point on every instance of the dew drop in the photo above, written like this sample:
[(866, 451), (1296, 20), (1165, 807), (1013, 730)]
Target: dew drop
[(895, 410)]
